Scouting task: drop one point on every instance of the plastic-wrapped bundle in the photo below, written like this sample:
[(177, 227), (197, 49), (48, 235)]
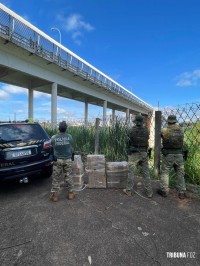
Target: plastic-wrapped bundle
[(95, 161), (77, 165), (96, 171), (96, 178), (117, 174), (77, 172)]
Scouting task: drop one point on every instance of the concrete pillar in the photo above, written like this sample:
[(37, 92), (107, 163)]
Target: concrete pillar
[(54, 105), (113, 115), (157, 143), (151, 127), (86, 114), (127, 115), (30, 104), (104, 112)]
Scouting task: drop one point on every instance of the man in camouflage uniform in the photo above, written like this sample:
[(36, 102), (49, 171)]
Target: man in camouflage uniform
[(137, 154), (172, 157), (62, 144)]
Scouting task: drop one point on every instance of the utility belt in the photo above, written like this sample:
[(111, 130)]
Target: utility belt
[(171, 151), (137, 149)]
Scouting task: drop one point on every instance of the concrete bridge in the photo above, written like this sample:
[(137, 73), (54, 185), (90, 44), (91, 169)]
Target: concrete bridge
[(31, 59)]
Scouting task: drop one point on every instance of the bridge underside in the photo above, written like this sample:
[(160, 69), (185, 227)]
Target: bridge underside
[(17, 78), (22, 68)]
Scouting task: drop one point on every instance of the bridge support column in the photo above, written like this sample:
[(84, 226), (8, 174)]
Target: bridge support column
[(86, 114), (30, 104), (54, 105), (113, 115), (127, 115), (104, 112)]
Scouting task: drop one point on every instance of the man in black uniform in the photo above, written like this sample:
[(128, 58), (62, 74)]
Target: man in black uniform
[(137, 154), (172, 157)]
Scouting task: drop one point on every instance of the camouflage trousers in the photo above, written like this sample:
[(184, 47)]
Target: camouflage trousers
[(168, 162), (62, 169), (134, 160)]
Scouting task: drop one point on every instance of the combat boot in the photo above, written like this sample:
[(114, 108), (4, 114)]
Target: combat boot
[(54, 197), (149, 194), (127, 192), (71, 195), (162, 192), (181, 195)]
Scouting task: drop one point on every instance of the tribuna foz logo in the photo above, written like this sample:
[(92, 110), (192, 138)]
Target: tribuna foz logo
[(184, 255)]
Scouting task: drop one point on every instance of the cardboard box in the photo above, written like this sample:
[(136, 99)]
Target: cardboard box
[(117, 174), (95, 162), (77, 181), (96, 178)]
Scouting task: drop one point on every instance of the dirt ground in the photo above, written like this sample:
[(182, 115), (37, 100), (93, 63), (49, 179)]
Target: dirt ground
[(99, 227)]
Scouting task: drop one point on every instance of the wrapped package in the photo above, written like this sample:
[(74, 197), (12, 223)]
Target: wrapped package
[(96, 172), (77, 172), (117, 174), (96, 178), (95, 161), (77, 165)]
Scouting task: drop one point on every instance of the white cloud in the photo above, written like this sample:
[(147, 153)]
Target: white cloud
[(64, 112), (61, 111), (38, 94), (46, 104), (14, 89), (4, 95), (75, 25), (188, 79), (10, 89), (75, 22)]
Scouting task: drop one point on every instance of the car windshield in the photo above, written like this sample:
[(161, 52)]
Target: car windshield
[(21, 132)]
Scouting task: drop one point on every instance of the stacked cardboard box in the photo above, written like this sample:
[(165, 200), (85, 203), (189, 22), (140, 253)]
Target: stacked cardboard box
[(96, 171), (77, 172), (117, 174)]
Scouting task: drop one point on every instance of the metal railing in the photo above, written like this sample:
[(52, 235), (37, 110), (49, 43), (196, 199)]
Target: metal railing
[(15, 29)]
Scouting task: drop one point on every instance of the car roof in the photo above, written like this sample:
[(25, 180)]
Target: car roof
[(19, 122)]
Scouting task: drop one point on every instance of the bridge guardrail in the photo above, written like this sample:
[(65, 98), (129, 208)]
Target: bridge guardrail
[(11, 29)]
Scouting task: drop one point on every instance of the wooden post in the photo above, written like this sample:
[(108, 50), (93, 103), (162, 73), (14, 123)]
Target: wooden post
[(97, 135), (157, 143)]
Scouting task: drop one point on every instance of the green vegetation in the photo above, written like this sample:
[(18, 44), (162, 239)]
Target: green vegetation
[(113, 141), (192, 144), (113, 144), (83, 138), (192, 165)]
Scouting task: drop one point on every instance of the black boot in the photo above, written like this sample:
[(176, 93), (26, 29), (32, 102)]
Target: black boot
[(162, 192)]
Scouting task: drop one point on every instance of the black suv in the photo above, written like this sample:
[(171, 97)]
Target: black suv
[(25, 151)]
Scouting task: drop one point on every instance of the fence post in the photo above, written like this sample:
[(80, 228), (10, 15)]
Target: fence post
[(157, 143), (97, 135)]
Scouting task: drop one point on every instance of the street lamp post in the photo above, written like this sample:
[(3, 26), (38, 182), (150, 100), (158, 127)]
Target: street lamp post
[(56, 29)]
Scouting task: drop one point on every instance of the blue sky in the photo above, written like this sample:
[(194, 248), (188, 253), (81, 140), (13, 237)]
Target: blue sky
[(151, 47)]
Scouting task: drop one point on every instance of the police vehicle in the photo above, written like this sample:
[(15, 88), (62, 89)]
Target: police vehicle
[(25, 151)]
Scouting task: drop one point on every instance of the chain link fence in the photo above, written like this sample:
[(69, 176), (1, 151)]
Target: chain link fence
[(188, 117)]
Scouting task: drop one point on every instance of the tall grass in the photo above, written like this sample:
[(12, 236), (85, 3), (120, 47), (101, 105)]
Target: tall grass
[(83, 138), (192, 144), (113, 141), (113, 144)]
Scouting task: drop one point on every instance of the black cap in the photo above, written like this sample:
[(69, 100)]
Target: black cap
[(172, 119), (62, 125)]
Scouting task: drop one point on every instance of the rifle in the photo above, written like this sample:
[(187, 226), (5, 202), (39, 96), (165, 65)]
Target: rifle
[(149, 152), (185, 155)]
